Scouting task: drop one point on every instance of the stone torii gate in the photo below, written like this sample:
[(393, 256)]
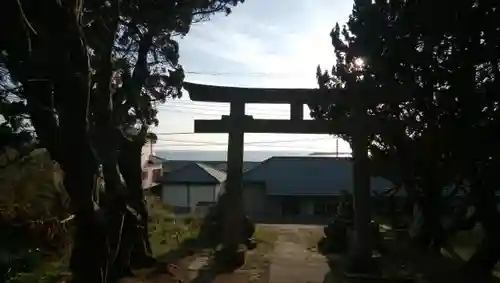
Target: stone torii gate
[(237, 123)]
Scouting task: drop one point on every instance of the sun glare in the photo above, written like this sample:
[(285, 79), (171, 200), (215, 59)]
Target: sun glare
[(359, 62)]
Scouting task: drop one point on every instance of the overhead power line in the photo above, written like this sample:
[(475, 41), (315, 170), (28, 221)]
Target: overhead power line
[(224, 148), (249, 74), (212, 114), (176, 133), (218, 110), (217, 107), (282, 144), (248, 143)]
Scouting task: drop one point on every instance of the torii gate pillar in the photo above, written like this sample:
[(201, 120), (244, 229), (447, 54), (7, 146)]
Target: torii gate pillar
[(233, 189)]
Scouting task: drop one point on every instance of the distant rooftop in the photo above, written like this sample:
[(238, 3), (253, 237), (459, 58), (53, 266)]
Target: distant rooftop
[(308, 175), (194, 172), (332, 154)]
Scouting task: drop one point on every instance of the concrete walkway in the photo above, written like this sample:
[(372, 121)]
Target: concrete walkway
[(294, 259)]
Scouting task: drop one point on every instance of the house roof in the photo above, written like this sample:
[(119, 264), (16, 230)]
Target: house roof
[(156, 159), (308, 175), (247, 165), (194, 173), (217, 174), (171, 165)]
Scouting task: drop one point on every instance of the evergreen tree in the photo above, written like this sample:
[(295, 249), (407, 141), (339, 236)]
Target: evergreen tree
[(443, 57)]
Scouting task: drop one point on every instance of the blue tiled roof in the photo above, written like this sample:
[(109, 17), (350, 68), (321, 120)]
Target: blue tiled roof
[(171, 165), (194, 173), (308, 175)]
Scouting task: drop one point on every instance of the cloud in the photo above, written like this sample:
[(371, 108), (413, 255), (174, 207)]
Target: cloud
[(287, 38), (263, 43)]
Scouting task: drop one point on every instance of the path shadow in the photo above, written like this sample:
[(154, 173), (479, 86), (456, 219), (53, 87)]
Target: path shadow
[(336, 266), (212, 270), (186, 248), (300, 220), (175, 262), (206, 273), (431, 265), (341, 268)]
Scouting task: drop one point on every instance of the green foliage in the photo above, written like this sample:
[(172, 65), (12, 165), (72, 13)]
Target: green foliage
[(446, 71), (14, 125), (133, 66), (32, 206), (442, 59), (168, 231), (144, 55)]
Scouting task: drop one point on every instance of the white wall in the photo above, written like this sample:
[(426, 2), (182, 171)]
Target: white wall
[(205, 193), (188, 195), (145, 153), (219, 190), (175, 195), (148, 171)]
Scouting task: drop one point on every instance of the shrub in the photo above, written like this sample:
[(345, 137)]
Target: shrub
[(33, 205)]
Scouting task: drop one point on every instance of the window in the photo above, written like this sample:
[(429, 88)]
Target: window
[(325, 208), (320, 208)]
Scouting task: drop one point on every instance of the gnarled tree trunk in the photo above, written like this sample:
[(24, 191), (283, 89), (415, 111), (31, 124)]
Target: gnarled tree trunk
[(139, 250), (55, 75), (482, 262)]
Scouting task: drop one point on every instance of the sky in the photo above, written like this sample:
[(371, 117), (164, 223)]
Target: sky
[(262, 43)]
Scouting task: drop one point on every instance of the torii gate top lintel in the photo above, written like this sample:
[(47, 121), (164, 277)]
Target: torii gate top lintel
[(213, 93), (239, 96)]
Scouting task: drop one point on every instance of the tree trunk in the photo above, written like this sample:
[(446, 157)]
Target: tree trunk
[(57, 62), (106, 138), (430, 234), (431, 212), (90, 253), (71, 75), (139, 254), (483, 261)]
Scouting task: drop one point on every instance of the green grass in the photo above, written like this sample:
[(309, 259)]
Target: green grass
[(167, 232), (47, 272)]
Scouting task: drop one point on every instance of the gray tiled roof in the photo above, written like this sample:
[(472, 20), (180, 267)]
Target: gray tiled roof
[(194, 173), (308, 175), (171, 165), (219, 175), (247, 165), (156, 159)]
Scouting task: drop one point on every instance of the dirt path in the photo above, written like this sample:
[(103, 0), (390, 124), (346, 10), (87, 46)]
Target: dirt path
[(294, 258), (285, 253)]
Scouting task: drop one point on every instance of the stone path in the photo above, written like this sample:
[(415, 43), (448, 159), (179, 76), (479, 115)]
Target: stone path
[(290, 258), (294, 259)]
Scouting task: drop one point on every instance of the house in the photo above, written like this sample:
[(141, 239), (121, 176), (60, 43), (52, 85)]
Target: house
[(302, 185), (151, 167), (188, 186)]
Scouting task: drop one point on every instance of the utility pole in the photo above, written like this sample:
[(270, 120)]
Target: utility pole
[(337, 146)]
